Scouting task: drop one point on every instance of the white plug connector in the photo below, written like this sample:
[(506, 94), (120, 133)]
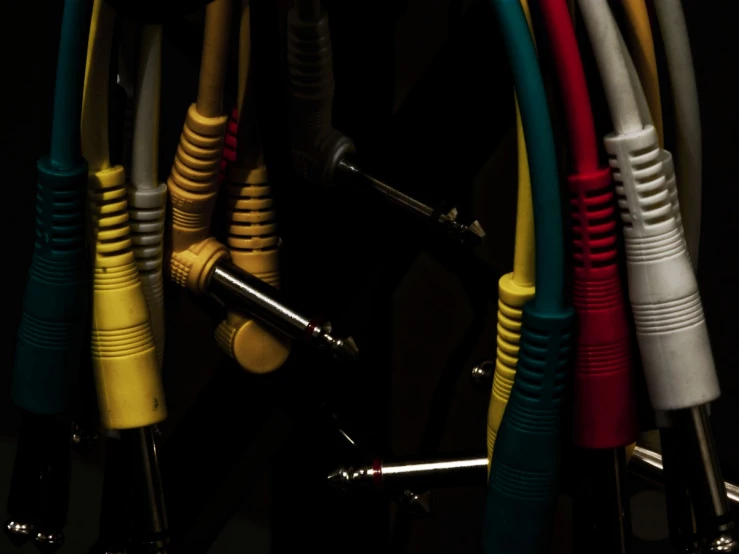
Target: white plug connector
[(668, 314), (146, 212)]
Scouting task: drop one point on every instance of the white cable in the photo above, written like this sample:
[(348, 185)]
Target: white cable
[(687, 114), (666, 305), (146, 110), (604, 33), (147, 197), (646, 117)]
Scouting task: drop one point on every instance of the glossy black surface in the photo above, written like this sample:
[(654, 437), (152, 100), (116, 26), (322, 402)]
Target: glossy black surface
[(39, 488)]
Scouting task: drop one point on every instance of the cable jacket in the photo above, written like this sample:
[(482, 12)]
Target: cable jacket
[(639, 32), (65, 126), (146, 196), (145, 154), (599, 23), (514, 289), (574, 95), (215, 56), (94, 128), (541, 153), (688, 153), (523, 255)]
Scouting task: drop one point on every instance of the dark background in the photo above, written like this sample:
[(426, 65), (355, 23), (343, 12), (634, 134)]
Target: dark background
[(423, 89)]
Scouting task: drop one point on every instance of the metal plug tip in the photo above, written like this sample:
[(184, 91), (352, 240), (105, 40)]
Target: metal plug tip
[(482, 375), (339, 479), (476, 230), (19, 528), (347, 348), (724, 543), (418, 505), (48, 541)]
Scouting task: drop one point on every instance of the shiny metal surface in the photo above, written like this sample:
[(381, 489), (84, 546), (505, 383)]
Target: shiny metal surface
[(648, 465), (149, 513), (418, 505), (19, 528), (482, 375), (709, 460), (49, 539), (243, 292), (83, 436), (416, 475), (472, 233), (713, 509)]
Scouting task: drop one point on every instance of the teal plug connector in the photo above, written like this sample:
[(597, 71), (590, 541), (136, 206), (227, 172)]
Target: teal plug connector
[(523, 476), (52, 332), (524, 470)]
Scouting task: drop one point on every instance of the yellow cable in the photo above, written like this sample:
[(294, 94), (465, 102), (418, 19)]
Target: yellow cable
[(193, 181), (252, 231), (639, 32), (214, 58), (124, 358), (514, 289), (94, 98)]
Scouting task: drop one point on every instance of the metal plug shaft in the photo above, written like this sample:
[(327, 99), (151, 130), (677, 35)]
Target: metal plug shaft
[(243, 292), (695, 457), (417, 475), (472, 234)]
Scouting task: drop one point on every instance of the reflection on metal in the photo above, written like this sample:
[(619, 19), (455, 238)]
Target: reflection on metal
[(447, 222), (482, 375), (83, 436), (49, 540), (416, 475), (648, 464), (244, 292), (473, 471), (18, 528)]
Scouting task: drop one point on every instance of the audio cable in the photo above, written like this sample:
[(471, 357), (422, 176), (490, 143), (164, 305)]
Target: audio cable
[(688, 153), (523, 474), (680, 510), (146, 195), (604, 410), (670, 326), (125, 360), (252, 240), (323, 155), (514, 289), (641, 42), (468, 470), (195, 259), (51, 334)]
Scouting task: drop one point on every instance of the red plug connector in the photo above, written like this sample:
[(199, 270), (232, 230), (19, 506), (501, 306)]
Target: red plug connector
[(604, 414), (604, 411)]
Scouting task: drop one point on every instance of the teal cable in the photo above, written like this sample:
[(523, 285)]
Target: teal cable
[(522, 487), (537, 127), (65, 149)]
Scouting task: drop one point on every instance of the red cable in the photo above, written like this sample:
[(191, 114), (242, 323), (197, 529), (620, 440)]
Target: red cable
[(572, 84), (604, 414)]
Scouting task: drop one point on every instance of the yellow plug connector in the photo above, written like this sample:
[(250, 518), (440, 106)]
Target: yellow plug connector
[(514, 289), (193, 182), (252, 231), (124, 356)]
